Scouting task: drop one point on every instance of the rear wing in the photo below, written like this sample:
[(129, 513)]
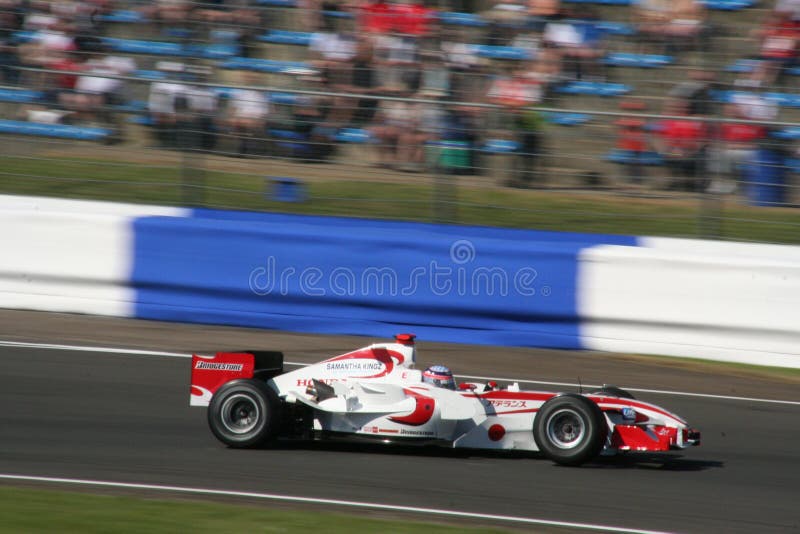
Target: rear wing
[(209, 373)]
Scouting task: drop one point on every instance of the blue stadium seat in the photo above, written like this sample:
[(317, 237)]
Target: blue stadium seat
[(212, 51), (144, 120), (353, 135), (566, 118), (275, 98), (726, 96), (289, 99), (224, 36), (163, 48), (151, 74), (177, 33), (501, 52), (22, 36), (792, 164), (791, 133), (266, 65), (63, 131), (594, 88), (286, 134), (286, 37), (615, 28), (629, 157), (717, 5), (134, 106), (743, 65), (123, 15), (604, 2), (337, 14), (223, 92), (645, 61), (461, 19), (729, 5), (293, 143), (500, 146), (20, 95), (135, 46), (789, 100)]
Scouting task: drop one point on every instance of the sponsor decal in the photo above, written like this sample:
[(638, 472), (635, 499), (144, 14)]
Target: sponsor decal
[(303, 382), (215, 366), (426, 433), (364, 363), (376, 430), (349, 367), (508, 403)]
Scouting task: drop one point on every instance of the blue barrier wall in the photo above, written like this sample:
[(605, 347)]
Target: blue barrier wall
[(356, 276)]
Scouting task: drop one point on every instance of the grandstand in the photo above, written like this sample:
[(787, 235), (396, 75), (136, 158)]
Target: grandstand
[(591, 110)]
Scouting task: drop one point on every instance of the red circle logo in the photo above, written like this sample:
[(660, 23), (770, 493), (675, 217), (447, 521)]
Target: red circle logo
[(496, 432)]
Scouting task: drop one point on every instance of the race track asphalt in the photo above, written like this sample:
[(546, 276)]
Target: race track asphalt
[(126, 418)]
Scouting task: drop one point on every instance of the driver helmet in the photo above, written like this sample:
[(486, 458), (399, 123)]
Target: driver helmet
[(440, 376)]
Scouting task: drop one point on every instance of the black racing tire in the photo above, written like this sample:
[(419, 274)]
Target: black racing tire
[(244, 413), (570, 429), (613, 391)]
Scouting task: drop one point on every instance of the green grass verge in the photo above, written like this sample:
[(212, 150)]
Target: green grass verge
[(548, 210), (33, 510)]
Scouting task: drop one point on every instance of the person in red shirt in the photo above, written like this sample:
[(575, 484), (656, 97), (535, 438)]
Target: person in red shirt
[(375, 17), (778, 44), (683, 143), (737, 143), (411, 18)]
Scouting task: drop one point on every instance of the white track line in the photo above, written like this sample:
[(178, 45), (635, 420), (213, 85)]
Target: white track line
[(83, 348), (139, 352), (337, 502)]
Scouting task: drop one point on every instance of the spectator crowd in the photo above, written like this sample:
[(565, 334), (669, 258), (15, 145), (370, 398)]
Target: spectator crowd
[(402, 75)]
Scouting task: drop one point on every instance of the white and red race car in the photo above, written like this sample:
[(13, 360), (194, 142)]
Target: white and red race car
[(376, 392)]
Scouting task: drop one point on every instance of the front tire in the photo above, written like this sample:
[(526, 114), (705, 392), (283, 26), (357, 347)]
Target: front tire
[(570, 429), (244, 413)]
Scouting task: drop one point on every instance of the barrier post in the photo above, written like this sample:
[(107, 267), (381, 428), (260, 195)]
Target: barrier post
[(193, 177), (445, 192)]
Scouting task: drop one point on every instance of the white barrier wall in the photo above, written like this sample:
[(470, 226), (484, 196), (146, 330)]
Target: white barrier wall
[(723, 301), (68, 256), (733, 302)]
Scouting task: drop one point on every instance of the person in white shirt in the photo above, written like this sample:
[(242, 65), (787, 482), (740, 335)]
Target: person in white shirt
[(247, 113)]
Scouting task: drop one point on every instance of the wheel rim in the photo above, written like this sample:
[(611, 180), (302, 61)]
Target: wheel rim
[(240, 413), (566, 429)]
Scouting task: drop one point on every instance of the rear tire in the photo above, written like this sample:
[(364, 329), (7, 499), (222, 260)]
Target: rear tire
[(570, 429), (244, 413)]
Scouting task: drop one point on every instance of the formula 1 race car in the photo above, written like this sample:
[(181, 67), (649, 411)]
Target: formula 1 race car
[(375, 392)]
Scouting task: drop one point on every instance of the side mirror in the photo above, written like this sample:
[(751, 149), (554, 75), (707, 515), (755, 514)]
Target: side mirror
[(466, 386)]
